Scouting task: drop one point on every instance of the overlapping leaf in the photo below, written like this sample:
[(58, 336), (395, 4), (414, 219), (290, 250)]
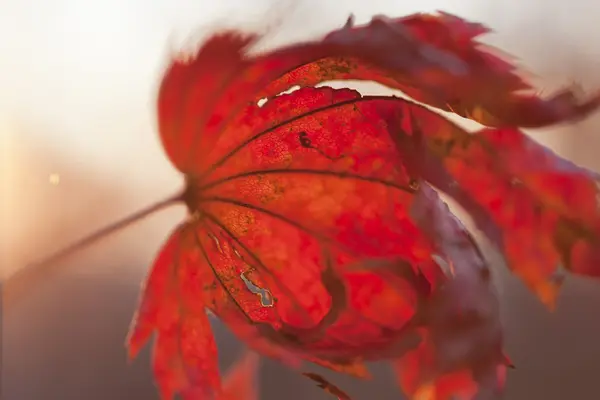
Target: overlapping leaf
[(200, 97), (540, 210), (460, 354)]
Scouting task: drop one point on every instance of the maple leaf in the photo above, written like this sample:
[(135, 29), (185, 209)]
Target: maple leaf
[(250, 174), (313, 232), (268, 184), (310, 188), (436, 60)]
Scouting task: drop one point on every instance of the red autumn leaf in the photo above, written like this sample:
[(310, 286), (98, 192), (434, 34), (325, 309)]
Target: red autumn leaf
[(221, 80), (268, 221), (520, 194), (470, 80), (460, 353), (185, 355), (435, 60), (312, 231), (278, 191)]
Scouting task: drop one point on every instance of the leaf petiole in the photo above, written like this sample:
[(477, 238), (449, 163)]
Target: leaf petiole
[(24, 276)]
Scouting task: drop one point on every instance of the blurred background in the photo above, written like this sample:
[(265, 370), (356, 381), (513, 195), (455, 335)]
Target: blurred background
[(79, 149)]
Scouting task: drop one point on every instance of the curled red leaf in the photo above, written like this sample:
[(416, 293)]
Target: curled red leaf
[(313, 232)]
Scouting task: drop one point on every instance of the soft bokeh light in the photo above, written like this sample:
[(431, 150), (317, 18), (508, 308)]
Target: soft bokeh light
[(80, 149)]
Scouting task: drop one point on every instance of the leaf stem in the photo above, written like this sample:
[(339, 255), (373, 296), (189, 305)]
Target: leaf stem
[(21, 279)]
